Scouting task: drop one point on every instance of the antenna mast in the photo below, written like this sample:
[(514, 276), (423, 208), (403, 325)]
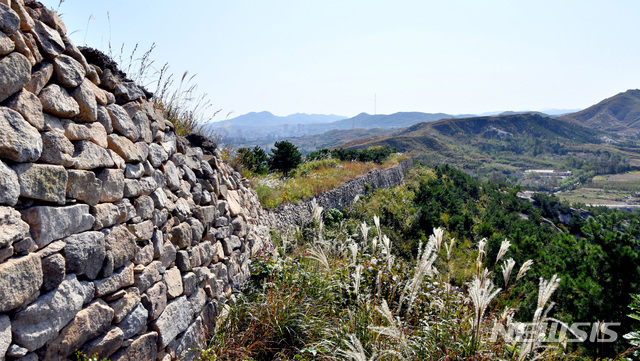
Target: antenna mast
[(375, 104)]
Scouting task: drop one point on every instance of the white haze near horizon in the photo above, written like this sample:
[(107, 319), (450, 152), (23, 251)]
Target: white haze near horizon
[(337, 56)]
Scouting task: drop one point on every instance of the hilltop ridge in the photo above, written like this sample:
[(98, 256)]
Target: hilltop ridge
[(619, 113)]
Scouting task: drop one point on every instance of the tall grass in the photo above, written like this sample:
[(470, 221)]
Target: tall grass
[(183, 105), (181, 101), (311, 179), (335, 295)]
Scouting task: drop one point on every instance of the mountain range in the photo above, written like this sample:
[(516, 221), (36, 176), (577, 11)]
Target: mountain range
[(617, 117)]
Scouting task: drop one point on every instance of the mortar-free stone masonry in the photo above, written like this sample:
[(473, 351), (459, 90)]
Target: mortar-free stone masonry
[(117, 237)]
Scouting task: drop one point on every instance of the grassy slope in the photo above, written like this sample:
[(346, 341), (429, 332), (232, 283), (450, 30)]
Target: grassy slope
[(311, 179)]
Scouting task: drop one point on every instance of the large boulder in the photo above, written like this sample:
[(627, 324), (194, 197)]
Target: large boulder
[(40, 76), (56, 101), (90, 322), (20, 278), (52, 223), (174, 320), (173, 280), (143, 348), (121, 278), (84, 186), (85, 253), (121, 243), (49, 40), (53, 271), (43, 319), (134, 322), (43, 182), (112, 184), (125, 304), (124, 148), (19, 141), (122, 122), (29, 106), (56, 149), (67, 71), (9, 187), (5, 335), (88, 155), (86, 100), (155, 300), (104, 345), (15, 72), (6, 44), (9, 20), (94, 132), (106, 214), (127, 91)]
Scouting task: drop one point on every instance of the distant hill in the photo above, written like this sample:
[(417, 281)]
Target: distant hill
[(334, 138), (620, 114), (471, 142), (528, 125), (384, 121), (262, 119)]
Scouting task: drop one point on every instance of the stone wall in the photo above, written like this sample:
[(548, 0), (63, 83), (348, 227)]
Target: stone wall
[(297, 214), (117, 237)]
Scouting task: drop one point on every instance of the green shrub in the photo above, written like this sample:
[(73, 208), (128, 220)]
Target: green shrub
[(284, 157)]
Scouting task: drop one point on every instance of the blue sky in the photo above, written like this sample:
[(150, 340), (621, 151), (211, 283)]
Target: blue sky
[(334, 57)]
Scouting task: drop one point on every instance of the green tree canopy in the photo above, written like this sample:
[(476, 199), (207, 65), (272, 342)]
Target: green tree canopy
[(285, 157)]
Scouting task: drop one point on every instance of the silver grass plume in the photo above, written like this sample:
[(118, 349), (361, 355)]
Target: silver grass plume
[(481, 292), (318, 254), (422, 268), (481, 251), (524, 268), (546, 289), (376, 221), (365, 232), (386, 242), (316, 210), (419, 249), (353, 247), (449, 248), (357, 275), (437, 237), (504, 247), (507, 267), (540, 317), (355, 351), (395, 328)]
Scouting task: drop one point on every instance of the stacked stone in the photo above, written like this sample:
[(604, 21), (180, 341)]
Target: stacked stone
[(298, 214), (117, 237)]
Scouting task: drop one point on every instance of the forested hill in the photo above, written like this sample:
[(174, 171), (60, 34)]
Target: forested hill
[(620, 113), (506, 139)]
